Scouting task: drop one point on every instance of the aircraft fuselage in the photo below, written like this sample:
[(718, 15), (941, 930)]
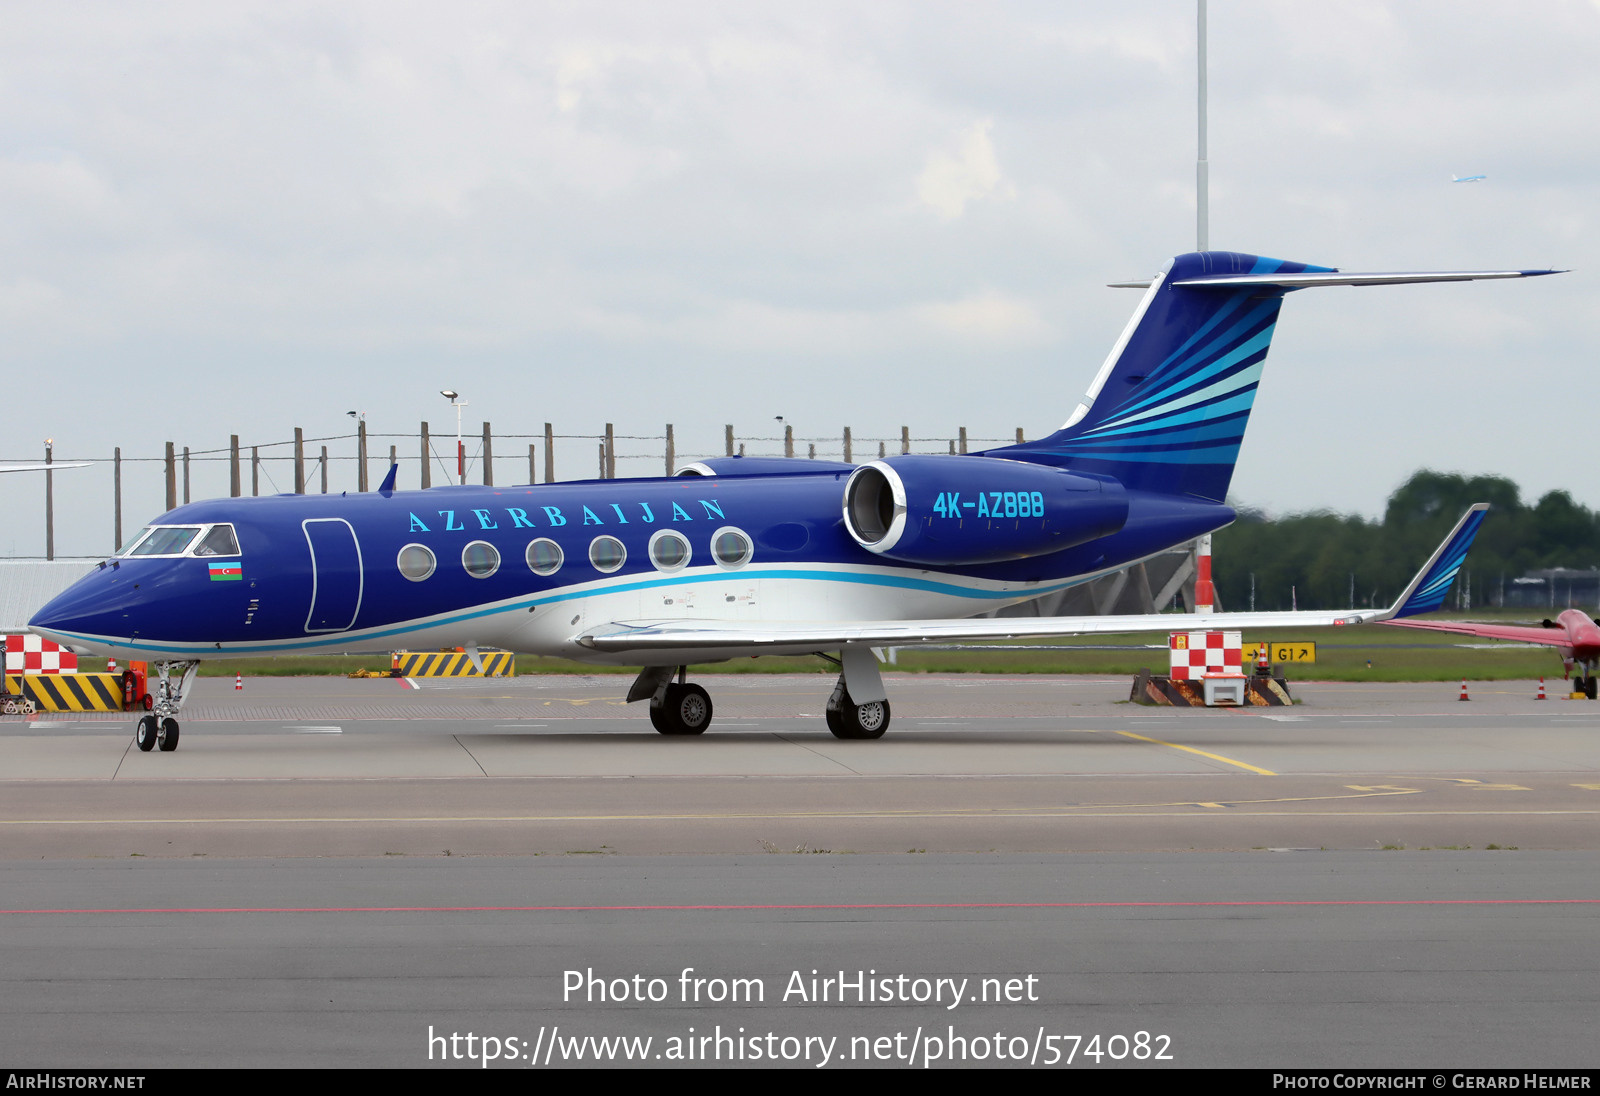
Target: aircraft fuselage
[(1583, 637), (323, 573)]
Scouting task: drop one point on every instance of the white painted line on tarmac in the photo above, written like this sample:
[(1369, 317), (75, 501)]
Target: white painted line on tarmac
[(315, 730)]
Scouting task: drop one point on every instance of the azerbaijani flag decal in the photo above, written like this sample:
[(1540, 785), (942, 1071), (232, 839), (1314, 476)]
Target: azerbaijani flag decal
[(224, 570)]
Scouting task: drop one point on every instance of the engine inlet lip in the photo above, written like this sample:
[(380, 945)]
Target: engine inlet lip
[(878, 536)]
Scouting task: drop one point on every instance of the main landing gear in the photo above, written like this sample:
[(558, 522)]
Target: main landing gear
[(1583, 682), (676, 707), (847, 719), (159, 729), (857, 709), (685, 708)]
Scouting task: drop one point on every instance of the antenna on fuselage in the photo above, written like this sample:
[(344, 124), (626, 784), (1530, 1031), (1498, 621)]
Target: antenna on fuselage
[(386, 488)]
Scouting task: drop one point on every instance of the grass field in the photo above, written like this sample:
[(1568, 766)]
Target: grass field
[(1372, 653)]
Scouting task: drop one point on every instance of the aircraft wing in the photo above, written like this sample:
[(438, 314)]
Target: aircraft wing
[(1423, 594), (758, 638), (1520, 633), (41, 466)]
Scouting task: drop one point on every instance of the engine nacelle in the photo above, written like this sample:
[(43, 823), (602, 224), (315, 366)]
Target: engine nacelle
[(951, 511)]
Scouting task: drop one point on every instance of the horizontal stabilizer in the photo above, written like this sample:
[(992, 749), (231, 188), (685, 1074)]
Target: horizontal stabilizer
[(1311, 280), (1306, 281)]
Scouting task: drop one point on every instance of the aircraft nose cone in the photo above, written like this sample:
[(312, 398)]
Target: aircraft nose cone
[(61, 613), (84, 608)]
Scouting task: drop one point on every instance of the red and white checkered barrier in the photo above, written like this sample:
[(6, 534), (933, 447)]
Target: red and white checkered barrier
[(30, 654), (1197, 655)]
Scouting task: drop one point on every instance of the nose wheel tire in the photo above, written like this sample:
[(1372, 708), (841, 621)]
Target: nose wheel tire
[(167, 735), (144, 735), (685, 710)]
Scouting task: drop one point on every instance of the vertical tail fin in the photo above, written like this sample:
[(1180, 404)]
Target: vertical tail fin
[(1427, 590), (1167, 411)]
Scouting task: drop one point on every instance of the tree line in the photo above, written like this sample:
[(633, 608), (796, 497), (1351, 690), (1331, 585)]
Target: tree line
[(1323, 556)]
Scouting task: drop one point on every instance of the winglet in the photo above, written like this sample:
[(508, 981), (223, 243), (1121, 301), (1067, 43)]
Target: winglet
[(1426, 591), (386, 488)]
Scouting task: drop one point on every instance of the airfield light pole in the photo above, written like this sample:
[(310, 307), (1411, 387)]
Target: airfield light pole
[(1204, 592), (361, 449), (1202, 182), (461, 451), (49, 500)]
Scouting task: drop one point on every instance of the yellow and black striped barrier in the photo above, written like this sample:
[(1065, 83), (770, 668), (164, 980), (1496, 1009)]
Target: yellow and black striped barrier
[(69, 692), (455, 664)]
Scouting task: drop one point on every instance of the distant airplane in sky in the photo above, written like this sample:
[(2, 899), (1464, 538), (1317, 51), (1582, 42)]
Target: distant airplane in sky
[(1573, 632), (1468, 178)]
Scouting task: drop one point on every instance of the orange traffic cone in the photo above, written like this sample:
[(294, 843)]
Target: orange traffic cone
[(111, 665), (1541, 695), (238, 683), (1464, 695)]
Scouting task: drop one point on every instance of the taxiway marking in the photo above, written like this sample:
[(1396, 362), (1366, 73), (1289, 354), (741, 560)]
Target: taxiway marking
[(1202, 753)]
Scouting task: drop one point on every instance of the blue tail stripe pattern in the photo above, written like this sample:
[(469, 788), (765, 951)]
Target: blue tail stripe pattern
[(1170, 412), (1430, 592), (1214, 406), (1227, 308), (1175, 434), (1250, 325)]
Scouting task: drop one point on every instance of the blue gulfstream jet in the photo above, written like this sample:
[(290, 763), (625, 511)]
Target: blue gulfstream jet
[(743, 557)]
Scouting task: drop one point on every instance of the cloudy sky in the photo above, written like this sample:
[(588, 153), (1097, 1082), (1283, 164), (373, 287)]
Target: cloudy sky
[(224, 218)]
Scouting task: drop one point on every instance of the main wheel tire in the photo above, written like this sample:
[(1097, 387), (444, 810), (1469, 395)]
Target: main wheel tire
[(144, 734), (859, 721), (167, 735), (692, 712), (867, 720), (686, 709), (1589, 686)]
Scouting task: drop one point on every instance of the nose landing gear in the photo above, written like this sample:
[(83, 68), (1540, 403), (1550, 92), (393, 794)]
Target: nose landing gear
[(159, 729)]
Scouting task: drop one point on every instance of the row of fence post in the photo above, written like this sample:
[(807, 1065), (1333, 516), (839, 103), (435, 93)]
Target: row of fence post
[(607, 456), (177, 462)]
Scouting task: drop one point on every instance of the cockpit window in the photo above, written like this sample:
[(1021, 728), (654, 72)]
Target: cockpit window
[(219, 542), (127, 549), (168, 540)]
